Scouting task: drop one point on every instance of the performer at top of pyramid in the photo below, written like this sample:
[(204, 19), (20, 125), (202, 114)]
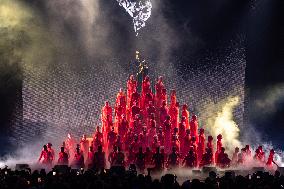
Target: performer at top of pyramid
[(142, 70)]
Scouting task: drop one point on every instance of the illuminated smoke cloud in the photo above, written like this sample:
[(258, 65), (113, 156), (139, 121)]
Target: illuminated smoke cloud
[(225, 125), (271, 97), (140, 11)]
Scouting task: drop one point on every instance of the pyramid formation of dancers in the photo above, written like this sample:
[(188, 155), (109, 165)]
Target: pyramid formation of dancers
[(145, 129)]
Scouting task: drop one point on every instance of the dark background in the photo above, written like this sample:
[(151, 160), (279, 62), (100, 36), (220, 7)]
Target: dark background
[(216, 23)]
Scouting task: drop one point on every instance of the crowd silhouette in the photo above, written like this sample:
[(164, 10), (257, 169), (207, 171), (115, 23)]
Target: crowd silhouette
[(122, 179)]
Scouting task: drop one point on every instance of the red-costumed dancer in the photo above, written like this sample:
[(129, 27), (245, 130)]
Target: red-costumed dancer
[(140, 160), (120, 99), (247, 152), (106, 118), (118, 143), (151, 110), (175, 140), (152, 131), (111, 155), (130, 156), (70, 146), (148, 108), (84, 145), (185, 114), (146, 89), (163, 112), (99, 159), (270, 160), (129, 138), (173, 159), (259, 155), (194, 127), (167, 127), (135, 144), (97, 139), (207, 158), (78, 161), (186, 143), (119, 158), (131, 88), (174, 113), (123, 128), (51, 150), (155, 143), (159, 86), (194, 146), (201, 144), (223, 160), (137, 125), (182, 133), (135, 99), (90, 158), (62, 157), (161, 136), (190, 160), (235, 156), (158, 160), (45, 157), (218, 148), (143, 138), (148, 157), (111, 138), (210, 145), (164, 96), (120, 107), (135, 111)]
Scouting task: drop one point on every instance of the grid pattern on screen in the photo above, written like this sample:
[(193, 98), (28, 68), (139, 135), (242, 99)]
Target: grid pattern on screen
[(65, 99)]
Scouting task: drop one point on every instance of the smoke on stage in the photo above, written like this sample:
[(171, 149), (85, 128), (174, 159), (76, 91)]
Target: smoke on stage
[(78, 67)]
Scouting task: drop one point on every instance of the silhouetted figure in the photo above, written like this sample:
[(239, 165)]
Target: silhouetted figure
[(158, 160), (78, 161), (218, 149), (45, 156), (207, 158), (50, 149), (119, 158), (223, 159), (270, 160), (90, 157), (190, 159), (62, 157), (84, 145), (99, 159), (173, 159), (235, 157), (111, 156), (259, 155), (140, 160)]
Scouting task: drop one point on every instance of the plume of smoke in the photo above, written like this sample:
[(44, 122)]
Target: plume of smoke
[(88, 29), (267, 103), (25, 155), (264, 104), (140, 11), (24, 40), (25, 44), (224, 124)]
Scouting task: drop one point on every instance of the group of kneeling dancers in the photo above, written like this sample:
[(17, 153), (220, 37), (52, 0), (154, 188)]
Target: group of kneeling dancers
[(149, 132)]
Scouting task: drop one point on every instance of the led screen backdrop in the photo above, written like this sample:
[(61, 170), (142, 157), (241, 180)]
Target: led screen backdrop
[(69, 99)]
